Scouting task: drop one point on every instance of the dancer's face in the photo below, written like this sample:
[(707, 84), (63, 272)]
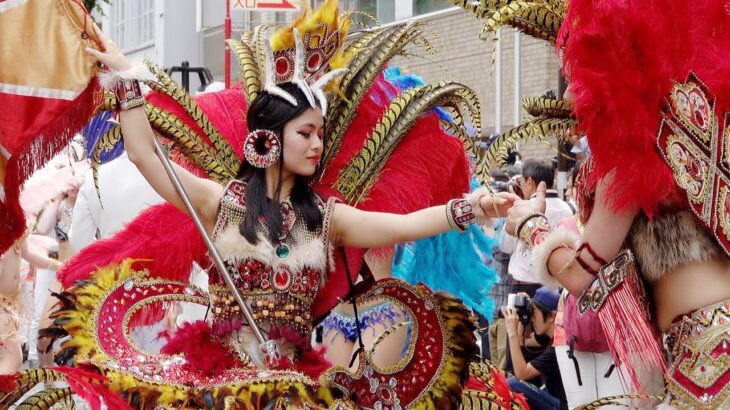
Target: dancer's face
[(303, 142)]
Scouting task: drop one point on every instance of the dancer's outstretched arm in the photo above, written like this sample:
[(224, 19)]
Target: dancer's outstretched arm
[(204, 194), (362, 229), (605, 231)]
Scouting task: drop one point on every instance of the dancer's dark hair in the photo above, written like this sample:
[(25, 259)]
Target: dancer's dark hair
[(270, 112)]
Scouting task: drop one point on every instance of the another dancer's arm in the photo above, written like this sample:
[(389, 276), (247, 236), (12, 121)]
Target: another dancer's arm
[(605, 232), (362, 229), (34, 253), (138, 135), (48, 216)]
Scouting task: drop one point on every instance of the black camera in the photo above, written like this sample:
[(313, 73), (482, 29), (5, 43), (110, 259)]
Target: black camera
[(523, 307)]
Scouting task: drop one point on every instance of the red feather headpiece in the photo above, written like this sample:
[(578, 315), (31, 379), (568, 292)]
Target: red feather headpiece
[(622, 58)]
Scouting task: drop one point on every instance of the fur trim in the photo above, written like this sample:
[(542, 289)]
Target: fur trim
[(540, 254), (233, 246), (670, 240), (474, 198), (109, 79)]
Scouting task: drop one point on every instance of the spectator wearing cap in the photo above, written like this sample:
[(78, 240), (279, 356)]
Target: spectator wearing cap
[(543, 368)]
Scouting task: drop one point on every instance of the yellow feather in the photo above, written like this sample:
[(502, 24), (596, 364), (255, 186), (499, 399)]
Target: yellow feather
[(327, 14)]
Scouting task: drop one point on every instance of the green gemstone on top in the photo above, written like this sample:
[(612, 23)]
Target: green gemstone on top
[(282, 251)]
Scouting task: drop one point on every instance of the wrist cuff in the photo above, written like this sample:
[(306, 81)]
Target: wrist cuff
[(474, 198), (559, 238)]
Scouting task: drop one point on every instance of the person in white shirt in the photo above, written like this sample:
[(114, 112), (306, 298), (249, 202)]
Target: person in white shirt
[(124, 194), (524, 278), (534, 171)]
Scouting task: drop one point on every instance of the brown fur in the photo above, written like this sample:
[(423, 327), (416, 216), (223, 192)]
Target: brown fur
[(670, 240)]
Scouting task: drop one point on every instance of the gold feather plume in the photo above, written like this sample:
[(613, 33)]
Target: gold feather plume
[(370, 57), (537, 18), (355, 181), (549, 118)]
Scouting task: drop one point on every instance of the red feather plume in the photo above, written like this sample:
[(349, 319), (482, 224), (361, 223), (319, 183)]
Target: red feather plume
[(622, 58), (202, 353)]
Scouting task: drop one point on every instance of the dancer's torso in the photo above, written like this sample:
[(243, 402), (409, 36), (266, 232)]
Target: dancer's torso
[(280, 281), (686, 268)]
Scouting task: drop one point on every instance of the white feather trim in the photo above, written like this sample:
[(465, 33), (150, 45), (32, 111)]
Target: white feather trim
[(474, 198), (665, 406), (109, 79), (232, 246), (540, 254)]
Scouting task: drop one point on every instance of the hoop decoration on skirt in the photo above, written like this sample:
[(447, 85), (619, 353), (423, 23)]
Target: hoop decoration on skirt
[(262, 148)]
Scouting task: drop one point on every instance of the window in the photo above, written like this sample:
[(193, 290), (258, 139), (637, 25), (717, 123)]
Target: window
[(133, 24), (427, 6)]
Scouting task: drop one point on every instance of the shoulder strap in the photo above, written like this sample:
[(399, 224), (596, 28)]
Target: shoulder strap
[(327, 222), (232, 206)]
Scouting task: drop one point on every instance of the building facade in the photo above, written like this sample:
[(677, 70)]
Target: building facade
[(502, 69), (166, 31)]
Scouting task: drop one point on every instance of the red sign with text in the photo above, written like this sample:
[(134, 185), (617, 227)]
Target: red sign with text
[(264, 5)]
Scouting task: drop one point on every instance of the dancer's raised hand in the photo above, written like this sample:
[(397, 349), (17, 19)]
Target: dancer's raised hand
[(111, 56)]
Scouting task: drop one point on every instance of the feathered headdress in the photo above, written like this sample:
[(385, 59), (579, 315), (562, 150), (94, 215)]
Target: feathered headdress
[(309, 62)]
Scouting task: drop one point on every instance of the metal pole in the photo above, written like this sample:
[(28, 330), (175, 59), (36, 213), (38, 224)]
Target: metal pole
[(516, 75), (209, 243), (563, 151), (186, 75), (498, 83), (228, 49)]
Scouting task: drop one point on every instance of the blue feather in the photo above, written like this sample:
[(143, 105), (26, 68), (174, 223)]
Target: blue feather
[(458, 263)]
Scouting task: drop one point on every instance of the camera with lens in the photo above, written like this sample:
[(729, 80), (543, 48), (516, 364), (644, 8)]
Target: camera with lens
[(522, 305)]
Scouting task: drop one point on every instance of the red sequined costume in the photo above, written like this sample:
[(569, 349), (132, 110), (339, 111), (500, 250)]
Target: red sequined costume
[(279, 281), (650, 85)]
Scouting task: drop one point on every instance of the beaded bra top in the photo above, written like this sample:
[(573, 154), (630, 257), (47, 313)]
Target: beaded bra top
[(280, 281)]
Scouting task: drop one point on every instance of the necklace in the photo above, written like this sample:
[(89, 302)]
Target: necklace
[(289, 217)]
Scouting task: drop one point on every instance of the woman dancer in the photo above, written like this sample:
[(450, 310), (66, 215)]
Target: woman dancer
[(268, 223)]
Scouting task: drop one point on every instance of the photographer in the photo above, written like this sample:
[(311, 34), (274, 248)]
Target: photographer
[(534, 171), (539, 315)]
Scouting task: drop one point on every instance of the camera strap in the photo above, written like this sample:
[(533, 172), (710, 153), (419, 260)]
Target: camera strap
[(571, 356)]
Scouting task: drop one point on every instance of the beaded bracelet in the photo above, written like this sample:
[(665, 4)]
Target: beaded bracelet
[(129, 94), (532, 229), (460, 214)]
